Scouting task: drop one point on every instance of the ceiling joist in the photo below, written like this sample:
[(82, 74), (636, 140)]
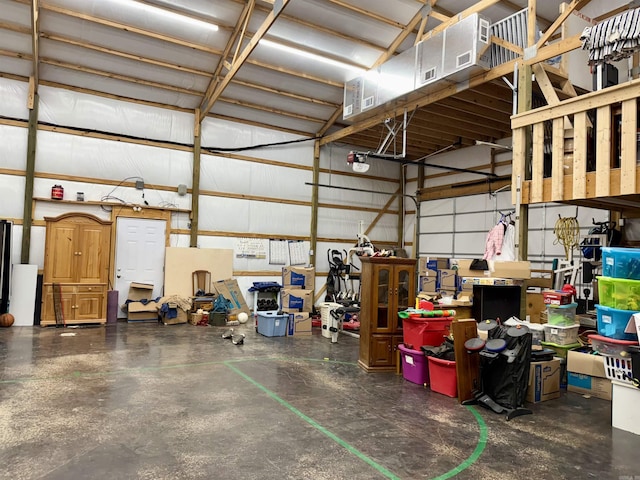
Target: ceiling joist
[(209, 100)]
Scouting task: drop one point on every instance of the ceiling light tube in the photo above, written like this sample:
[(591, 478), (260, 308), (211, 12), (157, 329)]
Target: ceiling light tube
[(312, 56), (170, 12)]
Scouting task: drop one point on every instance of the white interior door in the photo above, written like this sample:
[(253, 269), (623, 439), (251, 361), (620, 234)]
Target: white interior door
[(140, 247)]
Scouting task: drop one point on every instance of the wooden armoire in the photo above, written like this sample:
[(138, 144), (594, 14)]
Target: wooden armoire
[(76, 269), (388, 286)]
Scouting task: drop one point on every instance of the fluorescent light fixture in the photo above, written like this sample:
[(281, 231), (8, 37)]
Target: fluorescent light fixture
[(312, 56), (171, 13)]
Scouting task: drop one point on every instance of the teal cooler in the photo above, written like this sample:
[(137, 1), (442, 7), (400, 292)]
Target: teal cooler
[(270, 324)]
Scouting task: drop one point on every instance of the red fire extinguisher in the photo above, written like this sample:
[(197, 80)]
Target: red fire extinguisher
[(57, 192)]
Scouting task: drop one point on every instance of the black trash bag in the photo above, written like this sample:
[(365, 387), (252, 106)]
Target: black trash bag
[(506, 383), (444, 351)]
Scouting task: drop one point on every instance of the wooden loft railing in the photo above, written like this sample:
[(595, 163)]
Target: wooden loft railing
[(584, 150)]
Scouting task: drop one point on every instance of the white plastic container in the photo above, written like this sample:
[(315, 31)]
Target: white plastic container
[(536, 329), (625, 413), (561, 335)]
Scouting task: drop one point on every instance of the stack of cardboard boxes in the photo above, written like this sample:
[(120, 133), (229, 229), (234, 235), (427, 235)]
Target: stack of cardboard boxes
[(437, 277), (297, 298), (444, 276)]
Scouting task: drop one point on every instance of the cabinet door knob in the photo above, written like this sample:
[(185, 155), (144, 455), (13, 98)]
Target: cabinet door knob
[(79, 253)]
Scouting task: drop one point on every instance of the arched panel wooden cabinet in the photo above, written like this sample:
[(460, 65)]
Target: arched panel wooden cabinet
[(388, 286), (76, 269)]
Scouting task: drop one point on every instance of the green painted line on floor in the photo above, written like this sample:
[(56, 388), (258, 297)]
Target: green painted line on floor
[(480, 446), (76, 374), (317, 426), (482, 441)]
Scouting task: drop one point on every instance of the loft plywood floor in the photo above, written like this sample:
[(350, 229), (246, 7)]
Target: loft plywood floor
[(169, 402)]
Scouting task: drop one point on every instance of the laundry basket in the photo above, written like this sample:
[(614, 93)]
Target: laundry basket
[(325, 310)]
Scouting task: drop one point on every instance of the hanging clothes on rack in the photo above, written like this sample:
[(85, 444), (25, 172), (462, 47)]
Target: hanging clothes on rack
[(613, 39), (508, 244), (501, 240), (494, 242)]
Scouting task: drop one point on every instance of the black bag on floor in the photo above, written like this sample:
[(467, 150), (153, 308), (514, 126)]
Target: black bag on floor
[(506, 382)]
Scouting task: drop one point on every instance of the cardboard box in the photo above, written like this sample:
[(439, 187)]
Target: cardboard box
[(466, 288), (447, 279), (230, 290), (195, 318), (585, 375), (139, 312), (544, 283), (432, 263), (429, 281), (519, 270), (296, 300), (299, 277), (544, 381), (299, 324), (180, 315), (447, 293), (464, 269), (140, 291), (489, 281), (535, 305)]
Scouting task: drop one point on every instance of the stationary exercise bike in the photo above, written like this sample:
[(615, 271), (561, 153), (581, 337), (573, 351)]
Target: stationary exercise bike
[(504, 368)]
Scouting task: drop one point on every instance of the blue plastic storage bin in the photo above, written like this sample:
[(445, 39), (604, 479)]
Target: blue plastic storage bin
[(270, 324), (621, 262), (612, 322)]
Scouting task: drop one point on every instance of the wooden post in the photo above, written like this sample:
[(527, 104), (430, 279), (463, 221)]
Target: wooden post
[(195, 187), (467, 364), (524, 104), (27, 212), (416, 240), (401, 210), (313, 229)]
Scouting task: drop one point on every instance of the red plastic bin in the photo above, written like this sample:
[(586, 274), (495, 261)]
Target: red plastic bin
[(417, 331), (443, 378)]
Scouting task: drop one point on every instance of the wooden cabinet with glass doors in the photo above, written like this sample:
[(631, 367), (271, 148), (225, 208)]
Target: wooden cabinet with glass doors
[(388, 285)]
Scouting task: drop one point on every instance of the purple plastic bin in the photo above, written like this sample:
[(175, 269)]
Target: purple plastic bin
[(415, 368)]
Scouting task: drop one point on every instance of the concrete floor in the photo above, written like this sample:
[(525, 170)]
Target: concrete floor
[(179, 402)]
